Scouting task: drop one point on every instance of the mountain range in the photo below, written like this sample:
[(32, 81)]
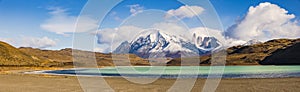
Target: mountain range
[(273, 52), (156, 44)]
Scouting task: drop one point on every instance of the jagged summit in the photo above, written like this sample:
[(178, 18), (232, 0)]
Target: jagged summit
[(156, 43)]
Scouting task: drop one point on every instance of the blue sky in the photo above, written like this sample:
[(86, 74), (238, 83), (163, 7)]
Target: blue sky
[(23, 19)]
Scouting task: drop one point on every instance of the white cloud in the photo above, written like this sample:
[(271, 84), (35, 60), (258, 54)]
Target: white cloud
[(185, 12), (34, 42), (114, 37), (136, 8), (61, 22), (264, 22)]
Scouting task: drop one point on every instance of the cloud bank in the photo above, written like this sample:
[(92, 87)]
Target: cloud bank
[(264, 22), (35, 42)]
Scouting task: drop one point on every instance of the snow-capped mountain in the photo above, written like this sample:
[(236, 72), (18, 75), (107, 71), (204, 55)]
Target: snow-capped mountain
[(252, 42), (204, 42), (156, 43)]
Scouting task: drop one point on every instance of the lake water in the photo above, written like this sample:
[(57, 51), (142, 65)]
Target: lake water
[(187, 71)]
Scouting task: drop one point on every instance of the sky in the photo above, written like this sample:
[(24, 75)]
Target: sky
[(49, 24)]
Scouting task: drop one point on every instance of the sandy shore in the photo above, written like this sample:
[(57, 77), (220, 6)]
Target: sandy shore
[(39, 83)]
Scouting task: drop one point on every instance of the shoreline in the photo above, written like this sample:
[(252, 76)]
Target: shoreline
[(15, 81), (237, 75), (38, 83)]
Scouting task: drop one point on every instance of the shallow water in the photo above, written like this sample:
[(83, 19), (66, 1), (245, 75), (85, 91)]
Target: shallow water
[(187, 71)]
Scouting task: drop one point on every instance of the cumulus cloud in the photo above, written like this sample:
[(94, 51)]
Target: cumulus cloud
[(114, 37), (136, 8), (185, 12), (35, 42), (61, 22), (264, 22)]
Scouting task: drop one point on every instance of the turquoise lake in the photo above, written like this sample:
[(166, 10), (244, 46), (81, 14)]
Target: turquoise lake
[(187, 71)]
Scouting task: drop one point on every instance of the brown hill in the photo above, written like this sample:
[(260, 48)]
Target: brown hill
[(274, 52), (256, 53), (286, 56), (64, 57), (11, 56)]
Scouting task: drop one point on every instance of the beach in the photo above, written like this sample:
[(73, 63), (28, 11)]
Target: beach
[(45, 83)]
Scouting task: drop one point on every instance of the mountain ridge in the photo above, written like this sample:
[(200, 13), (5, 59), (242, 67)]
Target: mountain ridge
[(11, 56), (257, 54), (157, 44)]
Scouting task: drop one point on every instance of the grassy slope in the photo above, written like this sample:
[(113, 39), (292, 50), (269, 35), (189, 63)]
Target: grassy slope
[(64, 57), (11, 56)]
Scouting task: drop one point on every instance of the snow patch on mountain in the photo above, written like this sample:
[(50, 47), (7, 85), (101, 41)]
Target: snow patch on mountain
[(155, 43), (252, 42)]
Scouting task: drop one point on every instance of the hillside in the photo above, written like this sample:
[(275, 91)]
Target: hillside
[(255, 54), (273, 52), (11, 56), (287, 56), (64, 57)]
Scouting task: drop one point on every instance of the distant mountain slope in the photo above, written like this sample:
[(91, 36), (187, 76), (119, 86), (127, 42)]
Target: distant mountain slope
[(64, 57), (11, 56)]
